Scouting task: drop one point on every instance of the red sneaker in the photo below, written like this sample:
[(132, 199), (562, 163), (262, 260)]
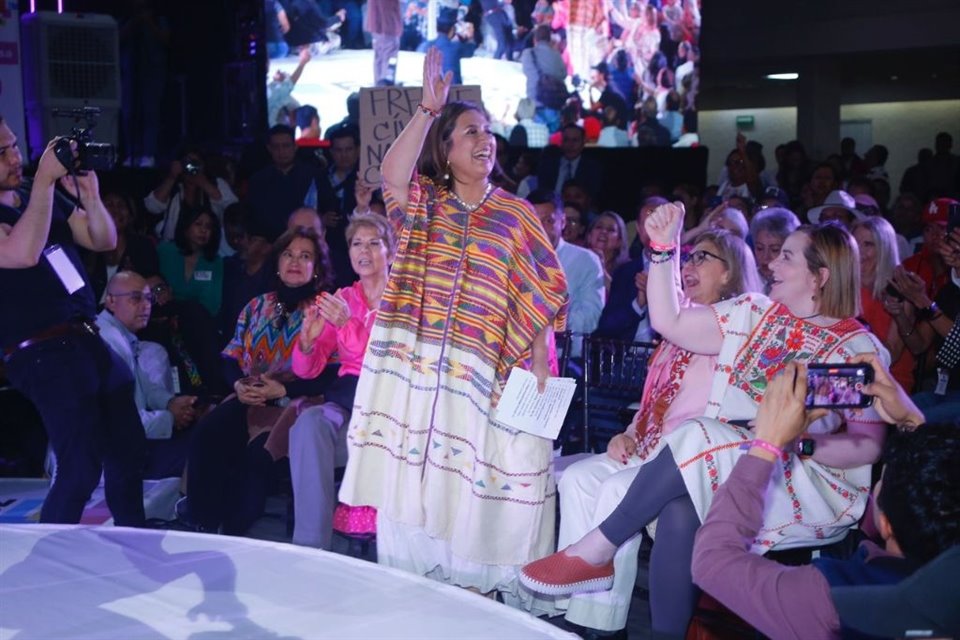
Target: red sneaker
[(563, 575)]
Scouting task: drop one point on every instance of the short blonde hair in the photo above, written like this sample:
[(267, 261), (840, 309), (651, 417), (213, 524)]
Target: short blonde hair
[(374, 221), (831, 247)]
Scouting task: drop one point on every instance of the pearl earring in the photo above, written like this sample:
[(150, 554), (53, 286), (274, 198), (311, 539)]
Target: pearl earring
[(446, 174)]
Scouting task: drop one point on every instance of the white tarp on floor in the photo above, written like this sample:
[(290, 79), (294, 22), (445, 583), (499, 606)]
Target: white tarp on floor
[(110, 582)]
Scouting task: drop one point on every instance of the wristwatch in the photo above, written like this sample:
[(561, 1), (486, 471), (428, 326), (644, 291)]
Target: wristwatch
[(806, 447)]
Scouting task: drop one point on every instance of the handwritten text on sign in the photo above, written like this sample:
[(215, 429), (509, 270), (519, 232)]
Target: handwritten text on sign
[(384, 111)]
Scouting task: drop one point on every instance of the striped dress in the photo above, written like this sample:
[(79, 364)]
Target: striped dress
[(459, 497)]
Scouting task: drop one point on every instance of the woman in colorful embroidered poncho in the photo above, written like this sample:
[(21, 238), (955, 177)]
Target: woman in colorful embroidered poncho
[(812, 500), (474, 291)]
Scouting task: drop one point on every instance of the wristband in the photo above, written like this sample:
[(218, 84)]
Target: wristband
[(661, 257), (766, 446), (656, 247), (427, 111)]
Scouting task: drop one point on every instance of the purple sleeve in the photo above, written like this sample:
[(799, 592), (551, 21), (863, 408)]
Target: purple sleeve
[(779, 601)]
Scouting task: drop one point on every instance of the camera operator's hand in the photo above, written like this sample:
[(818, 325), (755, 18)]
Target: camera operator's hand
[(783, 415), (49, 169), (176, 170), (890, 400), (87, 183)]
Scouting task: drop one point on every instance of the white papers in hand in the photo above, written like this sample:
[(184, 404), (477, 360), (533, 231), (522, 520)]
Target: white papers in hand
[(541, 414)]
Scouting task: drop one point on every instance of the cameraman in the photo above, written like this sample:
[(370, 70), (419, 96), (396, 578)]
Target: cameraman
[(51, 349), (188, 184)]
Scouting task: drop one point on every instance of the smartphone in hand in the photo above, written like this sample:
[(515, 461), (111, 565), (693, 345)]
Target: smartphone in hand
[(838, 385)]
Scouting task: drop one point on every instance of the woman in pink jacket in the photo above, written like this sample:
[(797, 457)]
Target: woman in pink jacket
[(336, 324)]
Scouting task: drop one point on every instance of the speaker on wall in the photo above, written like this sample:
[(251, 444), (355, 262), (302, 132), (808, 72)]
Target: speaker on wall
[(69, 61)]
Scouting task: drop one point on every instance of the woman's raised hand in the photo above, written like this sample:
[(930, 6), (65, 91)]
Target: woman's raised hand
[(664, 224), (436, 83)]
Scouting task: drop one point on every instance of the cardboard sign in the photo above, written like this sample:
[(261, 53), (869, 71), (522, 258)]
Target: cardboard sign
[(384, 111)]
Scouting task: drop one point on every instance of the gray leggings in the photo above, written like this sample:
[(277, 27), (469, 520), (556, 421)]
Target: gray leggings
[(658, 492)]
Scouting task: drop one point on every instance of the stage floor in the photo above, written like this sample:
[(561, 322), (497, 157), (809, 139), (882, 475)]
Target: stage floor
[(328, 80)]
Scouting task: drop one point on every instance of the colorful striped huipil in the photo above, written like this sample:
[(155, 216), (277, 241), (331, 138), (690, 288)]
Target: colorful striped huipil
[(262, 341), (463, 498)]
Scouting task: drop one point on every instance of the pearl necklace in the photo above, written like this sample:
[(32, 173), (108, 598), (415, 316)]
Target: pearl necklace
[(472, 207)]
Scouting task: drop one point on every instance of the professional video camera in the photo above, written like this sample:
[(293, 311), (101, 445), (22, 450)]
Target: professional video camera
[(91, 156)]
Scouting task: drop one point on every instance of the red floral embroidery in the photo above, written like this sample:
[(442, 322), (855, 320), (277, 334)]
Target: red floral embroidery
[(795, 340)]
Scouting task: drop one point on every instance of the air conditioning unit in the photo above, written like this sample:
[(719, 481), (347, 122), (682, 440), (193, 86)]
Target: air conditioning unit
[(69, 61)]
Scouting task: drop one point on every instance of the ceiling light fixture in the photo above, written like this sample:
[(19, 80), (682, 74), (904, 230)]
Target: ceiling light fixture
[(782, 76)]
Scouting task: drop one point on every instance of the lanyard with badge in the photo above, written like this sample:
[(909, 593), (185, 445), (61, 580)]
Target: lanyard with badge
[(60, 262)]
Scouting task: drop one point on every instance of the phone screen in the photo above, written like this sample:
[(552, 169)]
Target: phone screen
[(838, 386), (953, 219)]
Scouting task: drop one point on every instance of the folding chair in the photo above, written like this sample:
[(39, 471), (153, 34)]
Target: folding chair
[(613, 375)]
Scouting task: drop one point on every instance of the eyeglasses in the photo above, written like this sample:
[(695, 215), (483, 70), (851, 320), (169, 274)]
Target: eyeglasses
[(136, 297), (697, 257)]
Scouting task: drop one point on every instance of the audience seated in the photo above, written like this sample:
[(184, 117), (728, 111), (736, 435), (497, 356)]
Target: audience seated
[(928, 262), (624, 315), (188, 185), (341, 180), (165, 415), (768, 230), (246, 275), (337, 324), (189, 334), (878, 259), (134, 252), (676, 388), (191, 264), (286, 184), (607, 237), (916, 512), (838, 206), (232, 463), (568, 162), (810, 318), (586, 289), (575, 227), (928, 327)]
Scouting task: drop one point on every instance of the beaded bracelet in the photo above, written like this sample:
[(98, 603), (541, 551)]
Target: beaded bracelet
[(427, 111), (662, 248), (766, 446), (661, 257)]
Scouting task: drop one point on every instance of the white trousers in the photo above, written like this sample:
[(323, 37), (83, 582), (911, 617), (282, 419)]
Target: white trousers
[(318, 444), (589, 491)]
